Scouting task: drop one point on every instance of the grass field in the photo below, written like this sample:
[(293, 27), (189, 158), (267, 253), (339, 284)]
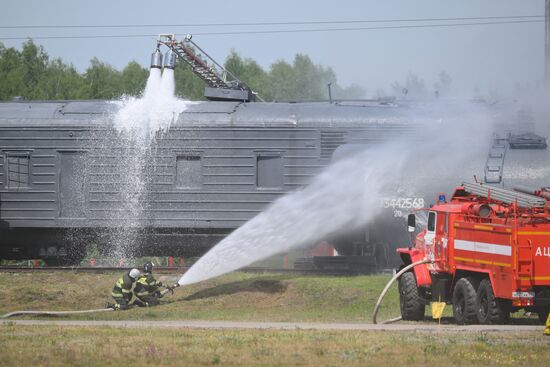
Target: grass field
[(55, 346), (246, 297), (237, 296)]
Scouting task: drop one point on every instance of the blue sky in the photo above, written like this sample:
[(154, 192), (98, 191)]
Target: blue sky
[(490, 56)]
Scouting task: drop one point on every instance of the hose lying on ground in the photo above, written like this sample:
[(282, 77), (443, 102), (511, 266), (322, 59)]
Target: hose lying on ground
[(62, 313), (383, 294), (53, 313)]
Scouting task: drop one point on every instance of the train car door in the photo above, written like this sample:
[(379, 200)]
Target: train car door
[(71, 184)]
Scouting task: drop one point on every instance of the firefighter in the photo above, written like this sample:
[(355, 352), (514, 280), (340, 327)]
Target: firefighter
[(547, 329), (122, 291), (147, 288)]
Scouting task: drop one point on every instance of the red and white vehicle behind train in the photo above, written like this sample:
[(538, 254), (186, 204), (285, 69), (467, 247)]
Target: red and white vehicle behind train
[(489, 252)]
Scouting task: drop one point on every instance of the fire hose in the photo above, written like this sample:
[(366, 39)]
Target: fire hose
[(62, 313), (392, 280), (171, 289), (53, 313)]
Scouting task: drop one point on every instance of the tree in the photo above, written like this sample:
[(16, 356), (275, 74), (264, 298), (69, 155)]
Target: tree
[(353, 91), (34, 62), (303, 80), (31, 74), (414, 87), (443, 85), (281, 81), (60, 81), (134, 78), (250, 73), (188, 85), (11, 73), (102, 80)]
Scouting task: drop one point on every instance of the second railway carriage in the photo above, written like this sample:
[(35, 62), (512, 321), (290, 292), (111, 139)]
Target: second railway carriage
[(69, 178)]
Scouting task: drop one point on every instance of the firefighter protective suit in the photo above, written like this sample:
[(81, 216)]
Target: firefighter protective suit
[(147, 291), (122, 291)]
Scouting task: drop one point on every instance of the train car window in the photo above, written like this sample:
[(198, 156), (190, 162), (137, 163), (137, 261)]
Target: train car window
[(188, 172), (17, 170), (269, 170)]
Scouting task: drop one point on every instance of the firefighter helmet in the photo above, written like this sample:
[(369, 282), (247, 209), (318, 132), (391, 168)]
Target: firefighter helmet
[(134, 273), (148, 267)]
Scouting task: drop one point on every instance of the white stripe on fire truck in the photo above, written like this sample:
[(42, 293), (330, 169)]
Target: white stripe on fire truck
[(487, 248)]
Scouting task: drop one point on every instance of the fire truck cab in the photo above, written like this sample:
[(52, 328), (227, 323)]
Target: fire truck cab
[(488, 252)]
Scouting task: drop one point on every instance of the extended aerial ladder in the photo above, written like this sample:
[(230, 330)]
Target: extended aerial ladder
[(221, 84)]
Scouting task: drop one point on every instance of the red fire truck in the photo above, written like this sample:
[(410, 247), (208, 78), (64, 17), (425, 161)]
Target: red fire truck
[(488, 253)]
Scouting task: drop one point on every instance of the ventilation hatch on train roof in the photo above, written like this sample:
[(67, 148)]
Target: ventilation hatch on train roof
[(27, 110), (212, 107), (87, 108)]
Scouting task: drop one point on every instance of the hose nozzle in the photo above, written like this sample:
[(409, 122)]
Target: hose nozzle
[(156, 59), (170, 59)]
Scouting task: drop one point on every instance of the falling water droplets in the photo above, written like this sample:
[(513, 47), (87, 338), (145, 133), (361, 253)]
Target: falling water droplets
[(138, 122)]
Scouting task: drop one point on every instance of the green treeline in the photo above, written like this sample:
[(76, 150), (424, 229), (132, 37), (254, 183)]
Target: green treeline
[(32, 74)]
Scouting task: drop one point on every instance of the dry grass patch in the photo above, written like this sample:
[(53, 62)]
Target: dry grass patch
[(92, 346)]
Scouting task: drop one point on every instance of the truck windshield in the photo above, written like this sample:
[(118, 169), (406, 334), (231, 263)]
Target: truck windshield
[(431, 221)]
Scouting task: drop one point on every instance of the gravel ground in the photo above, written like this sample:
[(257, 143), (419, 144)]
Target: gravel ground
[(195, 324)]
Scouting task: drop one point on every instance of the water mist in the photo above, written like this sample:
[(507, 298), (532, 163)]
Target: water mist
[(348, 194), (138, 122)]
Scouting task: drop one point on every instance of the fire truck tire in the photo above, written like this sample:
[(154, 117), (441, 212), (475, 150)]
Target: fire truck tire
[(464, 302), (411, 303), (489, 310)]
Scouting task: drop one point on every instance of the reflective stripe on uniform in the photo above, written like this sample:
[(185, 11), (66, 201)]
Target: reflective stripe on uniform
[(143, 280), (143, 288)]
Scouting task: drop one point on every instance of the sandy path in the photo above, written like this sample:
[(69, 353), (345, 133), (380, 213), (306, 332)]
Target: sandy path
[(197, 324)]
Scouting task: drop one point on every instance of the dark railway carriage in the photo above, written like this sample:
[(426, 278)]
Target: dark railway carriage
[(66, 175)]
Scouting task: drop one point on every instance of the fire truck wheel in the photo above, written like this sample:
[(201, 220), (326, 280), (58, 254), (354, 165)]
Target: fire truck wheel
[(411, 303), (489, 309), (464, 302)]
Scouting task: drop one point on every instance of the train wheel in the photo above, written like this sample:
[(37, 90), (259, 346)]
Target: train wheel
[(464, 302), (411, 303), (489, 310)]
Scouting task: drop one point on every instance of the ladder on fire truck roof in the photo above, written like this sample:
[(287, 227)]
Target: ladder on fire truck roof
[(495, 160), (494, 166), (504, 195), (221, 83)]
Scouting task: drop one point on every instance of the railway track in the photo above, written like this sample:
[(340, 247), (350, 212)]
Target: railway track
[(161, 269)]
